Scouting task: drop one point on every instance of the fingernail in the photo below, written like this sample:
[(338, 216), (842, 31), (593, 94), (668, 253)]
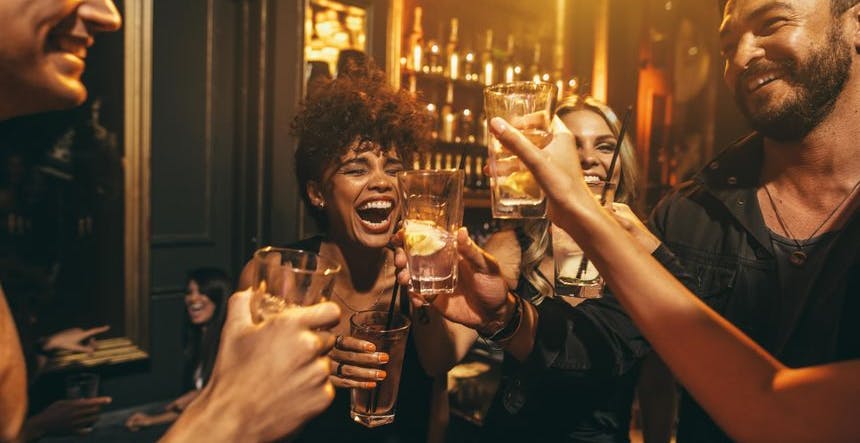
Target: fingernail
[(370, 347), (369, 385), (381, 375), (383, 357), (498, 125)]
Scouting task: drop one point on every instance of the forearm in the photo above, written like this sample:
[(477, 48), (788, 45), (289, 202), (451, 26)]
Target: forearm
[(202, 421), (441, 343), (522, 342), (163, 417), (13, 376)]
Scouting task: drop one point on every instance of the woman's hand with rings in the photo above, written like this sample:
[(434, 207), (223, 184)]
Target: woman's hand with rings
[(356, 364)]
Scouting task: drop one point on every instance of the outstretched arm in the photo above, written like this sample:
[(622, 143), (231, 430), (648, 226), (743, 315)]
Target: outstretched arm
[(749, 393), (13, 376)]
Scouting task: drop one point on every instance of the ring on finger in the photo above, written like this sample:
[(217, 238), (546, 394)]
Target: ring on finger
[(338, 342), (339, 370)]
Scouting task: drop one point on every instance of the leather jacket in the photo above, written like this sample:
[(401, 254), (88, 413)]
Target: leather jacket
[(714, 226)]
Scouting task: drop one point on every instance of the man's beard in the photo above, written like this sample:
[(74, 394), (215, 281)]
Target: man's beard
[(817, 82)]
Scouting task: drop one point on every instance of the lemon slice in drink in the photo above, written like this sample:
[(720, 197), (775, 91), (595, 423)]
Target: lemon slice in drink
[(423, 238), (520, 184)]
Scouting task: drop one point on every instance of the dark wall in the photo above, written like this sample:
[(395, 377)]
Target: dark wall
[(191, 196)]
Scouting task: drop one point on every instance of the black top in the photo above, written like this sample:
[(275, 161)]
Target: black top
[(714, 224), (578, 383), (413, 403)]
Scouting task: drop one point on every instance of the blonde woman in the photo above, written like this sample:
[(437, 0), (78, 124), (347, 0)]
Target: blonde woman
[(580, 388)]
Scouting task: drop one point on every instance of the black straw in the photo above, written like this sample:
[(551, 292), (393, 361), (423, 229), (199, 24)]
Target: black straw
[(583, 265), (389, 322), (611, 170)]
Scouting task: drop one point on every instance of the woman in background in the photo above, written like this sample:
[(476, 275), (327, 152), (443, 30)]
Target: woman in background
[(206, 306), (586, 395)]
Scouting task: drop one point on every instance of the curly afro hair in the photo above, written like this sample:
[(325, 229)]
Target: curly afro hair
[(358, 110)]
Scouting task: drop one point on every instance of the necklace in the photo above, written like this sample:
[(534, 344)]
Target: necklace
[(798, 257), (353, 309), (376, 299)]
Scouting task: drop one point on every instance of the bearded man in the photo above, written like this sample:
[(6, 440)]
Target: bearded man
[(770, 228)]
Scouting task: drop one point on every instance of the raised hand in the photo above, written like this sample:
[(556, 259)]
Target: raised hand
[(74, 339), (269, 377), (555, 167), (480, 300), (64, 417), (634, 226)]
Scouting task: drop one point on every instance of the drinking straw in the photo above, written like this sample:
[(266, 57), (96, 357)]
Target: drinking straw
[(611, 170), (374, 397), (583, 265)]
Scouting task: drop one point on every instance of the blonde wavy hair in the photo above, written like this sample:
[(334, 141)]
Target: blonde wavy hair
[(538, 230)]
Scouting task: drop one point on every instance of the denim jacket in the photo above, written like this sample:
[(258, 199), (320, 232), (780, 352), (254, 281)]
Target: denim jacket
[(714, 225)]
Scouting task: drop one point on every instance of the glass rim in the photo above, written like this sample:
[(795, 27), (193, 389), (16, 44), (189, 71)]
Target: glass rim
[(330, 266), (406, 321), (505, 87)]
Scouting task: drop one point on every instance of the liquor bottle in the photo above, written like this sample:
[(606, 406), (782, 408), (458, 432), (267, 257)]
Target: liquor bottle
[(487, 64), (513, 71), (534, 68), (466, 127), (469, 67), (447, 115), (483, 135), (453, 69), (434, 120), (433, 65), (416, 43)]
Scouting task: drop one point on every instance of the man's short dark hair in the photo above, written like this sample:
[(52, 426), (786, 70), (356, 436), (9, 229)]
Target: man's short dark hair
[(838, 7)]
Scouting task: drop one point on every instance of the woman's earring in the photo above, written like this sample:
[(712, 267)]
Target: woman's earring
[(321, 205)]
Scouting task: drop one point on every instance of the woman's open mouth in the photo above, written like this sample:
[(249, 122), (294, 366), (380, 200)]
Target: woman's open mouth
[(376, 214)]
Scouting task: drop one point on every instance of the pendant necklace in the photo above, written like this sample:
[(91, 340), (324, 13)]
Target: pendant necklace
[(375, 300), (798, 257)]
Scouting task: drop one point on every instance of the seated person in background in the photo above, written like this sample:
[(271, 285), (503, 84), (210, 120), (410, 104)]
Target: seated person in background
[(355, 135), (65, 416), (206, 306), (258, 396), (585, 391)]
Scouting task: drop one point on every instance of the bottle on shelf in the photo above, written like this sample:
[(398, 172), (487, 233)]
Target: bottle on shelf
[(534, 68), (487, 63), (447, 115), (469, 72), (415, 45), (453, 67), (433, 53), (466, 127), (513, 71), (434, 120)]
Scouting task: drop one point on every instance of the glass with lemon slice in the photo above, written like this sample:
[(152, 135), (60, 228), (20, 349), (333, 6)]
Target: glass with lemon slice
[(528, 106), (432, 202)]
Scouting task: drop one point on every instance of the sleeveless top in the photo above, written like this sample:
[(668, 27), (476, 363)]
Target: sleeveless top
[(413, 398)]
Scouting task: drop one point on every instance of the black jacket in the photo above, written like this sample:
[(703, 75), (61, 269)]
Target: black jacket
[(577, 384), (714, 225)]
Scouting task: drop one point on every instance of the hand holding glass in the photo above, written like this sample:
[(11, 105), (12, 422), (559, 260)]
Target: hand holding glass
[(375, 407), (575, 274), (527, 106), (432, 213), (290, 277)]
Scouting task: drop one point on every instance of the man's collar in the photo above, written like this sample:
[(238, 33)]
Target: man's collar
[(737, 167)]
